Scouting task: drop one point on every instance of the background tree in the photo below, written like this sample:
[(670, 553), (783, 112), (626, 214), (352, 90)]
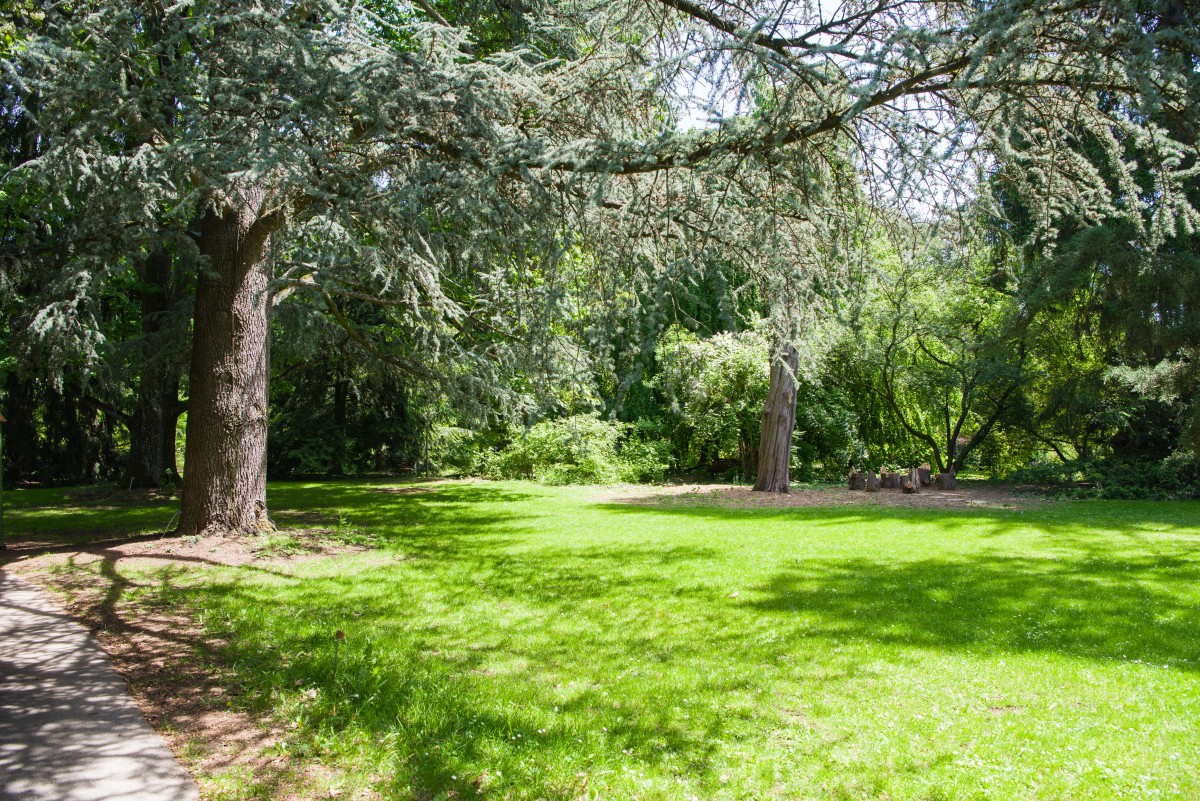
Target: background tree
[(442, 165)]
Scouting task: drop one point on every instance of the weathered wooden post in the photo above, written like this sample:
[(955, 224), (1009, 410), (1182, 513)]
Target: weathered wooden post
[(888, 479), (911, 483)]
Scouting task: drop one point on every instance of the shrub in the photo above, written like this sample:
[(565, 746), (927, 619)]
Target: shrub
[(452, 450), (581, 449), (1175, 477)]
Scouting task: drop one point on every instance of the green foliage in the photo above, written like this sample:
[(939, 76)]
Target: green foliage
[(1176, 477), (581, 449), (826, 440), (714, 390), (502, 204)]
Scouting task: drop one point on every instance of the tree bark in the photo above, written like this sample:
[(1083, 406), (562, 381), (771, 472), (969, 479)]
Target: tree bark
[(778, 422), (911, 483), (945, 481), (341, 392), (225, 457), (872, 481), (156, 411), (20, 431)]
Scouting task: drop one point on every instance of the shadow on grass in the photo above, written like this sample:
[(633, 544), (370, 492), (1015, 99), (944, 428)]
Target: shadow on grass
[(437, 691), (1130, 610), (433, 682), (429, 684), (1062, 519)]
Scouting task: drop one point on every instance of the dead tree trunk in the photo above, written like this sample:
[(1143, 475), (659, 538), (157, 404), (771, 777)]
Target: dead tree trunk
[(778, 422), (225, 458), (156, 411)]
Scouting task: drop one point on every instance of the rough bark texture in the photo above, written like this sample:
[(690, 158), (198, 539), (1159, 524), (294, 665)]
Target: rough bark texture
[(225, 458), (156, 412), (872, 481), (911, 483), (926, 474), (858, 481), (945, 481), (888, 479), (341, 395), (778, 422)]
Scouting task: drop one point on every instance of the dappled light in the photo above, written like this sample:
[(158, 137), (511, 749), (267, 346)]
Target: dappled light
[(524, 640)]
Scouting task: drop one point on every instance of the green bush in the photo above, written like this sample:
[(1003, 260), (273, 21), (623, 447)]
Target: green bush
[(1176, 477), (581, 449), (453, 450)]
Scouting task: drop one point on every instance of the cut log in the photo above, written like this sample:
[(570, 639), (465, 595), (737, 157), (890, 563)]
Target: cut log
[(926, 474), (888, 479), (872, 481), (911, 483), (857, 480), (945, 481)]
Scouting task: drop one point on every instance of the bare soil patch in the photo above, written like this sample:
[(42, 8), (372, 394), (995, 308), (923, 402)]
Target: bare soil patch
[(159, 550), (969, 495)]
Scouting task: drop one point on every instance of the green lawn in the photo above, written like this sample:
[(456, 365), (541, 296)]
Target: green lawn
[(519, 641)]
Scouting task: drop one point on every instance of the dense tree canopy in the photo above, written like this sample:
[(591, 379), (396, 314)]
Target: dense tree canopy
[(497, 209)]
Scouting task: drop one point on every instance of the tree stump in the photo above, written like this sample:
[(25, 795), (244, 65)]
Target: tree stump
[(926, 474), (945, 481), (911, 483), (872, 481), (857, 480), (888, 479)]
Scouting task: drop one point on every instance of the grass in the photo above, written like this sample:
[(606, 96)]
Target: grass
[(526, 642)]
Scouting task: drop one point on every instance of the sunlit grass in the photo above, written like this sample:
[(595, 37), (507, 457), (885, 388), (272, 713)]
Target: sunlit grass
[(518, 641)]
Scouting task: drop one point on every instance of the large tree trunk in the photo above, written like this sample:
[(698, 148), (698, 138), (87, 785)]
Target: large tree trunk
[(778, 421), (341, 393), (225, 457), (152, 429), (21, 431), (156, 412)]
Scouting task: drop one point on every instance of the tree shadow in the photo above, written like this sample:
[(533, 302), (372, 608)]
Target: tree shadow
[(1129, 610), (469, 546), (1058, 518)]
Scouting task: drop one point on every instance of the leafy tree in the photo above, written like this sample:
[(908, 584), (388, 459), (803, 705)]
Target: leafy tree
[(715, 389), (443, 165)]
